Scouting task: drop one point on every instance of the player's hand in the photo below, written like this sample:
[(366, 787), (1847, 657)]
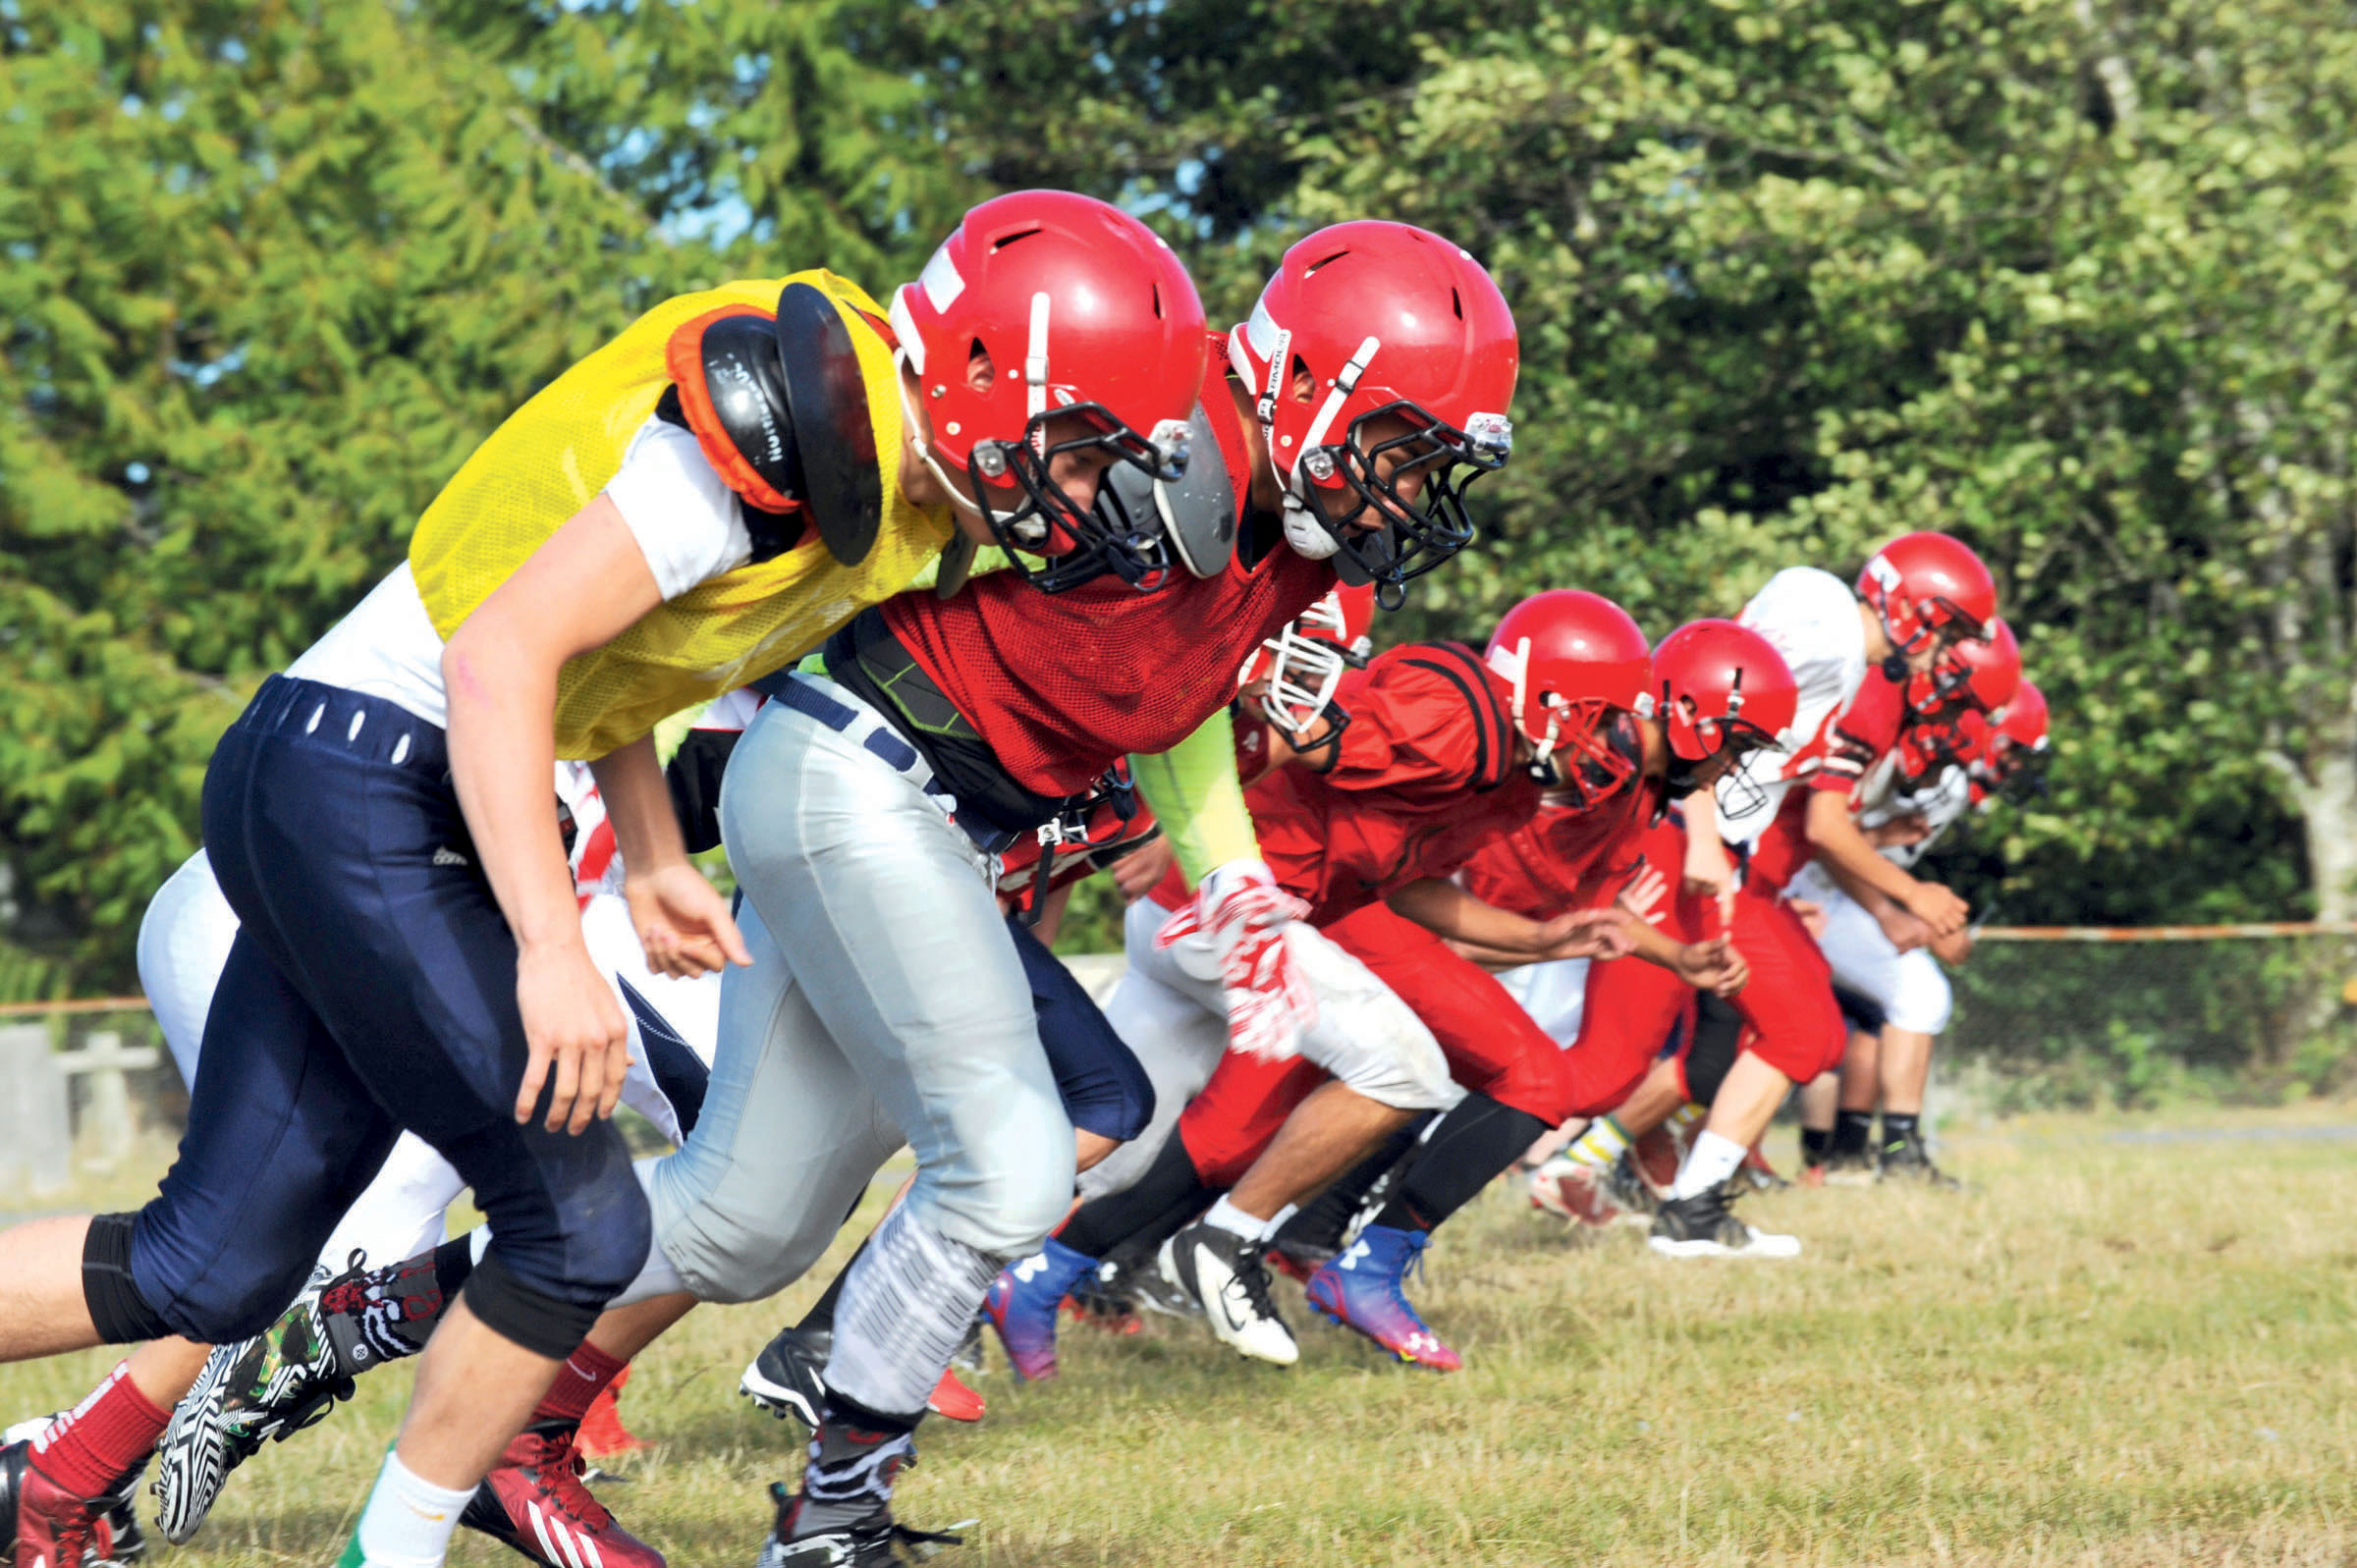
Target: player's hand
[(1643, 896), (1812, 917), (1953, 948), (1138, 872), (1899, 832), (1241, 908), (683, 923), (1905, 931), (1586, 934), (575, 1032), (1714, 967), (1939, 908), (1709, 874)]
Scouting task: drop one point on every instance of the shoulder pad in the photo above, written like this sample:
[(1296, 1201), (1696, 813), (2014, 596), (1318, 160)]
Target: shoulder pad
[(827, 398)]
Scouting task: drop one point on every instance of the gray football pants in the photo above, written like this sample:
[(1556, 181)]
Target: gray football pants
[(885, 1005)]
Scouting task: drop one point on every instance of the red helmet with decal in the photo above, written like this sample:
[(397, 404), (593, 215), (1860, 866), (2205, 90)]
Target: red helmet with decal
[(1384, 358), (2013, 748), (1977, 676), (1929, 584), (1089, 323), (1720, 690), (1579, 668)]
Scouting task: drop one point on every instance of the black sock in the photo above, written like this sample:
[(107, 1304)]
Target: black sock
[(1471, 1145), (1898, 1129), (453, 1260), (820, 1319), (1814, 1143), (1168, 1188), (1852, 1130), (1318, 1227)]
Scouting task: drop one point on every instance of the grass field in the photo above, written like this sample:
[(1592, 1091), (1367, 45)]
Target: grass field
[(2117, 1348)]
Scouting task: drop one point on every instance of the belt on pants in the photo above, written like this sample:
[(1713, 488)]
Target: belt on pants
[(871, 730)]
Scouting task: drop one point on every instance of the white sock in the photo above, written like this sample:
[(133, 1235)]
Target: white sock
[(1711, 1161), (1229, 1218), (409, 1520)]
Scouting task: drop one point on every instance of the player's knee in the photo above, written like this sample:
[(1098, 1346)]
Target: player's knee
[(1925, 1005), (735, 1242), (565, 1252), (1003, 1193), (1407, 1073), (144, 1277)]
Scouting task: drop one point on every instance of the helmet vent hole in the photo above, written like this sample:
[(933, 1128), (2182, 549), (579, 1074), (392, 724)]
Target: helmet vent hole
[(1456, 304), (1157, 292), (1322, 263), (1006, 240), (1305, 380)]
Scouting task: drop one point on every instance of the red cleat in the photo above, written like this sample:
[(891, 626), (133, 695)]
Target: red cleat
[(534, 1501), (1658, 1155), (952, 1400), (602, 1434)]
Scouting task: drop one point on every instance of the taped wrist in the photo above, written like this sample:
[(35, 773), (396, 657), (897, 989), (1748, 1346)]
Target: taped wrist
[(117, 1310)]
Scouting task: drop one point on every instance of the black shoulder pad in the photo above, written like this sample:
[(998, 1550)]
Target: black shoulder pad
[(827, 397)]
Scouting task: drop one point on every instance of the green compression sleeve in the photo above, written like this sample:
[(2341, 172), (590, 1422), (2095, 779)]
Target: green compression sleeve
[(1198, 799)]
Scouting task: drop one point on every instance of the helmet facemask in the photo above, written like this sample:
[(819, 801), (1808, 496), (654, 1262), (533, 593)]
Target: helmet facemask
[(1080, 543), (1592, 750), (1406, 538)]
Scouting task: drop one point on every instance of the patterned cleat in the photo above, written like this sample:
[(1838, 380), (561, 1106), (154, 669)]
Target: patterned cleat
[(1365, 1289), (1225, 1276), (283, 1379), (533, 1502), (1023, 1301), (43, 1525), (875, 1542), (1701, 1226)]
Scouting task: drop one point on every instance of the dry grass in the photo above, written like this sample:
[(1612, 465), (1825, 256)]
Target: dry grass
[(2108, 1352)]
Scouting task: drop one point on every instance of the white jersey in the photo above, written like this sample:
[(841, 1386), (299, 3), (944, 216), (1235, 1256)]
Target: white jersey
[(1811, 617), (683, 515), (1940, 802)]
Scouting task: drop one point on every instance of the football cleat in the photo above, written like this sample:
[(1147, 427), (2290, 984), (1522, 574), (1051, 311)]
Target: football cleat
[(1365, 1289), (1657, 1157), (603, 1435), (43, 1525), (1701, 1226), (875, 1542), (1907, 1159), (131, 1541), (534, 1502), (1023, 1301), (268, 1388), (787, 1376), (1225, 1276), (1576, 1191), (1847, 1170)]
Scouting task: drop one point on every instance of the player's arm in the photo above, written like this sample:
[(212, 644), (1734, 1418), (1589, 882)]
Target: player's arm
[(1846, 853), (1198, 799), (578, 591), (1449, 912), (672, 905)]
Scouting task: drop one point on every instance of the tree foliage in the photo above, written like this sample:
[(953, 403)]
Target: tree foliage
[(2068, 277)]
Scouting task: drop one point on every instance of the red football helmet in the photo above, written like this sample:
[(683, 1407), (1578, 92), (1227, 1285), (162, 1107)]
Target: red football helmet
[(1722, 690), (1382, 319), (1304, 661), (1929, 584), (2013, 746), (1971, 676), (1579, 668), (1082, 310)]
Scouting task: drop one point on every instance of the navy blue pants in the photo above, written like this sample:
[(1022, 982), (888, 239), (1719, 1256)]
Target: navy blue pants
[(372, 988), (1104, 1088)]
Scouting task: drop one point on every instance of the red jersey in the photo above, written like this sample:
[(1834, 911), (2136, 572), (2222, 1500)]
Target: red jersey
[(1854, 741), (1423, 776), (1567, 858), (1061, 686)]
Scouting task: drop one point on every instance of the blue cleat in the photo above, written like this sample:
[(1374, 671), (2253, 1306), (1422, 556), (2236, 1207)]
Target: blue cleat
[(1364, 1288), (1022, 1304)]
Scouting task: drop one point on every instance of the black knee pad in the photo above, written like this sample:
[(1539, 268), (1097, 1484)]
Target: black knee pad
[(527, 1314), (1863, 1012), (1717, 1027), (122, 1316)]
